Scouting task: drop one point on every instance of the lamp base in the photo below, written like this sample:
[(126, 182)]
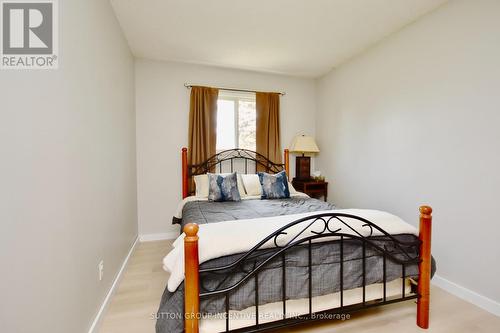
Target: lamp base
[(302, 167)]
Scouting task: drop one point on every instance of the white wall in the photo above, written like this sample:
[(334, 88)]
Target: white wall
[(67, 175), (416, 120), (162, 107)]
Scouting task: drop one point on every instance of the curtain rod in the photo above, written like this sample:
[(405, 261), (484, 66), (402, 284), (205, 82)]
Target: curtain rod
[(189, 85)]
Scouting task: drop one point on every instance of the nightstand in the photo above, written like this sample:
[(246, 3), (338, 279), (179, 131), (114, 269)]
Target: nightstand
[(311, 187)]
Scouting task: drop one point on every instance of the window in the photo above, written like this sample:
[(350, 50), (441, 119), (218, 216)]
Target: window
[(236, 121)]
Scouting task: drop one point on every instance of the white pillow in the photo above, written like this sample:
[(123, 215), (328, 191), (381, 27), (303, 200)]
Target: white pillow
[(292, 189), (201, 185), (241, 187), (252, 184)]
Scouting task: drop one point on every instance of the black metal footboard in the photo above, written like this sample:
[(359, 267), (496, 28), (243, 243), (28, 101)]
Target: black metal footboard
[(305, 235)]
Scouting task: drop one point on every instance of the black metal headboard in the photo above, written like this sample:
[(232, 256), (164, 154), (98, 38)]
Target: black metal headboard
[(226, 160), (231, 160)]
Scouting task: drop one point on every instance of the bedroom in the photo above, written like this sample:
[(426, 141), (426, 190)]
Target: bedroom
[(400, 97)]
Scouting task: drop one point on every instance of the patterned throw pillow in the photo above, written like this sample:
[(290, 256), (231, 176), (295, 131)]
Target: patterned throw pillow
[(223, 187), (274, 186)]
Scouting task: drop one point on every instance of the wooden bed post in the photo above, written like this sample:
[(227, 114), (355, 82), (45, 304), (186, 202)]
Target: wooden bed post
[(424, 275), (191, 281), (287, 163), (185, 183)]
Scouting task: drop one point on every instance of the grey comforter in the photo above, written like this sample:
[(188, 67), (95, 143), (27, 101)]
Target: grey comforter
[(325, 263), (202, 212)]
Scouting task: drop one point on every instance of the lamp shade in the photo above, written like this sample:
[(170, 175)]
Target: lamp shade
[(304, 144)]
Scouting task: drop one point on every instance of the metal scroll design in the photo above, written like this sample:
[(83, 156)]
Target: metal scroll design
[(311, 229), (229, 156)]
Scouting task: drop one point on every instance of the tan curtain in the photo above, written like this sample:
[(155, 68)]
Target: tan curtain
[(268, 126), (202, 124)]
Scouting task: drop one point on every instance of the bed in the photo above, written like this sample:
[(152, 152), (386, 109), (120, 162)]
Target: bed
[(258, 265)]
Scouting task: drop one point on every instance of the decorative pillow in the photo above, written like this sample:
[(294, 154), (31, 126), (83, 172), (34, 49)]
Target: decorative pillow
[(252, 184), (201, 185), (223, 187), (274, 186)]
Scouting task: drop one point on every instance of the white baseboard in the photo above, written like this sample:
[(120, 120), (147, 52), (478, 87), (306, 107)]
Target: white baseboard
[(468, 295), (157, 237), (105, 303)]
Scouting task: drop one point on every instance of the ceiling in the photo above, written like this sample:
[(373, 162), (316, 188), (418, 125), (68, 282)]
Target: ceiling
[(304, 38)]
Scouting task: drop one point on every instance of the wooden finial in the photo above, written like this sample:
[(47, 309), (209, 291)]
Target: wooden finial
[(426, 211), (191, 230)]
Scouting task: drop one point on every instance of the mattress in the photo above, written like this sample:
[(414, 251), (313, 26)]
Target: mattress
[(274, 311)]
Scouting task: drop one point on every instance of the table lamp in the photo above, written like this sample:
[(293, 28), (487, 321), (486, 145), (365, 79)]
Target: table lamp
[(303, 144)]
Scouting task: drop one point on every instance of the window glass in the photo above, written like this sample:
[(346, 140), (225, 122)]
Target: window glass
[(226, 132), (246, 124), (236, 121)]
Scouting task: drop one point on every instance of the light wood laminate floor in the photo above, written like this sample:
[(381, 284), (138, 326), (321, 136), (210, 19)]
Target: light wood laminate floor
[(137, 298)]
